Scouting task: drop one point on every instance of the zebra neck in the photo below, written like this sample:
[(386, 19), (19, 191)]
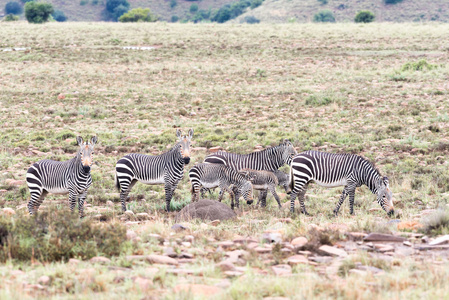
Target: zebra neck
[(371, 179), (175, 154), (78, 166)]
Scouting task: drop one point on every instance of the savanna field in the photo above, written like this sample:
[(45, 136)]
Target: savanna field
[(377, 90)]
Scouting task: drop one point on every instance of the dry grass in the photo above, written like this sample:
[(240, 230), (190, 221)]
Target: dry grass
[(338, 88)]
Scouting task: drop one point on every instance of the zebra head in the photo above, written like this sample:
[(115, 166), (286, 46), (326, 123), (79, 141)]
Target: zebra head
[(247, 192), (86, 152), (288, 151), (184, 144), (284, 180), (385, 196)]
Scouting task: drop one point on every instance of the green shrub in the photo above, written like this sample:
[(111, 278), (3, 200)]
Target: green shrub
[(256, 3), (13, 8), (364, 16), (38, 13), (84, 2), (421, 65), (58, 235), (117, 8), (250, 20), (59, 16), (233, 10), (314, 100), (193, 8), (324, 16), (173, 3), (323, 2), (138, 15), (11, 17), (392, 1), (174, 19)]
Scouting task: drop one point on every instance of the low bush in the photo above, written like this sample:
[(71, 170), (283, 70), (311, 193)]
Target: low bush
[(324, 16), (174, 19), (392, 1), (138, 15), (250, 20), (13, 8), (59, 16), (364, 16), (11, 17), (37, 12), (193, 8), (421, 65), (51, 236)]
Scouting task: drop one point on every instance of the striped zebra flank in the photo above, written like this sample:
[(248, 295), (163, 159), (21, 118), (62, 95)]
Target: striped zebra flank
[(167, 169), (332, 170), (262, 181), (68, 177), (269, 159), (283, 181), (217, 175)]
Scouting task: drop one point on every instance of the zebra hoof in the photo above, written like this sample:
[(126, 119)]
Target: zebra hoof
[(335, 213), (306, 213)]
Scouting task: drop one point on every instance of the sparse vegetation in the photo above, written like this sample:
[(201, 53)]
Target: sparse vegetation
[(138, 15), (250, 20), (11, 18), (420, 65), (324, 16), (37, 12), (392, 1), (364, 16)]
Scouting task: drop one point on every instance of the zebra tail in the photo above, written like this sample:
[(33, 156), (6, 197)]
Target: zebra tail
[(117, 183), (291, 183)]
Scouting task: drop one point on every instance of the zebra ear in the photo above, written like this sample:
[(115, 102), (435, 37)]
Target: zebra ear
[(178, 133), (79, 140), (386, 181), (190, 133), (93, 140)]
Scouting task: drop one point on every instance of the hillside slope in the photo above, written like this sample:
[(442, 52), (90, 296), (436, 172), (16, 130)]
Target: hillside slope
[(272, 11), (281, 11)]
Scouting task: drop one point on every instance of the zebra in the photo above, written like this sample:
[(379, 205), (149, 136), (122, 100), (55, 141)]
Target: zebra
[(68, 177), (332, 170), (269, 159), (283, 181), (216, 175), (167, 169), (262, 181)]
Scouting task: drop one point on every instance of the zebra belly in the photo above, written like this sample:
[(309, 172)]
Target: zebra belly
[(210, 185), (159, 180), (332, 184), (57, 190), (260, 186)]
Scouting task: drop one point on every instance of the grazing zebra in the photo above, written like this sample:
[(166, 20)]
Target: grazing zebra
[(332, 170), (283, 181), (262, 181), (227, 179), (167, 168), (72, 177), (269, 159)]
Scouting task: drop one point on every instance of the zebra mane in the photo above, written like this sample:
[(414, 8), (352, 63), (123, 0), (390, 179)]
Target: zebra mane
[(372, 165)]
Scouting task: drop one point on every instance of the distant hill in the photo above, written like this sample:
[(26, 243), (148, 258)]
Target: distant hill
[(273, 11)]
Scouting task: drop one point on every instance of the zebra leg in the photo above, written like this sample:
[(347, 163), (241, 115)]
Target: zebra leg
[(223, 189), (262, 198), (301, 197), (72, 200), (275, 195), (342, 199), (81, 200), (125, 188), (351, 201), (37, 196), (169, 191)]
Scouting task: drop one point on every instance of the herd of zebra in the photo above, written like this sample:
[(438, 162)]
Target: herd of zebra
[(237, 174)]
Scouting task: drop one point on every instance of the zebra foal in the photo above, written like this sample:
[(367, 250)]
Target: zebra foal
[(68, 177), (283, 181), (227, 179), (167, 169), (262, 181), (332, 170)]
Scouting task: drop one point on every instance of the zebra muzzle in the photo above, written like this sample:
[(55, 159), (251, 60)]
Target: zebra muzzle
[(186, 160), (86, 169)]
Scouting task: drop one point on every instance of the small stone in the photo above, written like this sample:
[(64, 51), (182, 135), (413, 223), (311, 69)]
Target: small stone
[(358, 272), (189, 238), (225, 244), (262, 250), (272, 237), (204, 226), (387, 248), (333, 251), (13, 182), (299, 242), (297, 259), (198, 290), (100, 259), (129, 213), (168, 251), (143, 283), (282, 270), (233, 273), (440, 240), (161, 259), (44, 280), (178, 227), (131, 235), (74, 261), (380, 237), (226, 266), (142, 216), (110, 203), (186, 255), (186, 244), (321, 259), (8, 211), (214, 222)]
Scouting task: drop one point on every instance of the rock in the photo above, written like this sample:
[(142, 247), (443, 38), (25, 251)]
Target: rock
[(380, 237), (142, 216), (404, 251), (357, 235), (262, 250), (100, 259), (297, 259), (407, 243), (110, 203), (371, 269), (136, 257), (299, 242), (234, 256), (178, 227), (215, 222), (386, 248), (156, 237), (131, 235), (440, 240), (410, 225), (143, 283), (129, 213), (186, 255), (225, 244), (197, 290), (168, 251), (13, 182), (8, 211), (186, 244), (333, 251), (321, 259), (205, 210), (226, 266), (74, 261), (204, 226), (215, 149), (44, 280), (189, 238), (285, 220), (272, 237), (358, 272), (281, 270), (161, 259), (233, 273)]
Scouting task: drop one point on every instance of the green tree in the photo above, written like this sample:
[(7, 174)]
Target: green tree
[(174, 19), (36, 12), (193, 8), (117, 8), (173, 3), (13, 8), (364, 16), (138, 15), (324, 16), (59, 16)]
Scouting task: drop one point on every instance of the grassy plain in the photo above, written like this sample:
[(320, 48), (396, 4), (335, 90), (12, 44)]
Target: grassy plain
[(378, 90)]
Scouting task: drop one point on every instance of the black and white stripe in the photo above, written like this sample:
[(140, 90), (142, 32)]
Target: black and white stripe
[(69, 177), (167, 169), (332, 170), (262, 181), (283, 181), (269, 159), (217, 175)]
